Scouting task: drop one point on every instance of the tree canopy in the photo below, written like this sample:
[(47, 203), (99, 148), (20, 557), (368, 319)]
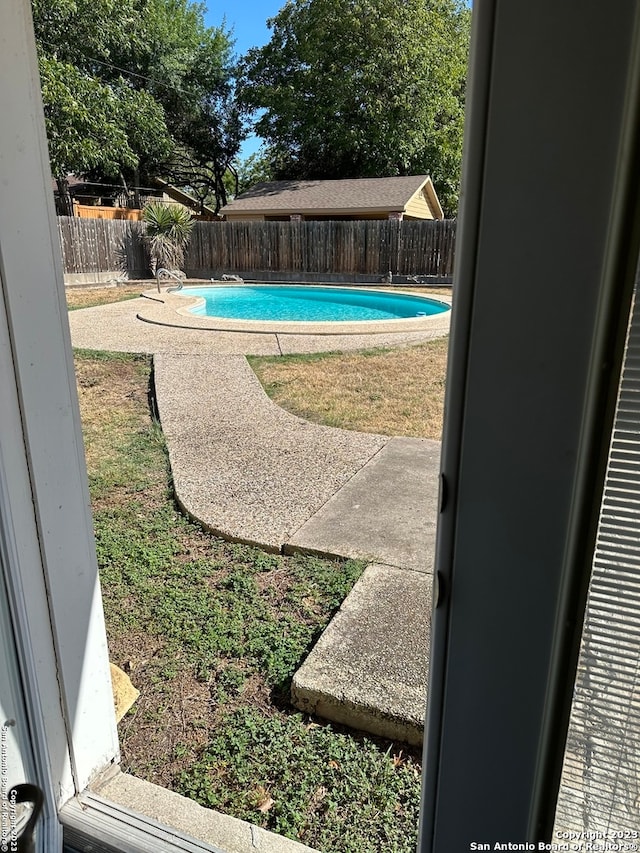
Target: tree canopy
[(363, 88), (137, 88), (254, 169)]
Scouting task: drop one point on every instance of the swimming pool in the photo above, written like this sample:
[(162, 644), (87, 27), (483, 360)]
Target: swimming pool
[(309, 304)]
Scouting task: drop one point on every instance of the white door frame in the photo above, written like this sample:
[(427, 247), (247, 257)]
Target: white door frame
[(546, 259), (44, 499)]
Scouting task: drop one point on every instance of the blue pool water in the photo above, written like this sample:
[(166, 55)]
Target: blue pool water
[(309, 303)]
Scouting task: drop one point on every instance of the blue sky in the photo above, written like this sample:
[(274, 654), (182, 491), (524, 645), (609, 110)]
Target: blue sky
[(248, 21)]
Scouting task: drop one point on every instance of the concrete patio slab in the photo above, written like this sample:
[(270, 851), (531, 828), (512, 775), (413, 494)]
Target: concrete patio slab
[(369, 669), (292, 344), (117, 328), (387, 511), (242, 465)]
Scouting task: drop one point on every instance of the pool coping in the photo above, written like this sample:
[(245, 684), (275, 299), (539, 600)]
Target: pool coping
[(174, 309)]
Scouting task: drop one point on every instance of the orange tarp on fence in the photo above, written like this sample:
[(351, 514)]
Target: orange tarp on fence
[(95, 211)]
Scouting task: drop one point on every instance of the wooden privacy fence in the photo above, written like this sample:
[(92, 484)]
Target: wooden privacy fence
[(102, 245), (366, 247)]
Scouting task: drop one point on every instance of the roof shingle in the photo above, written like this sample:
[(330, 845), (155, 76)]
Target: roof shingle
[(347, 194)]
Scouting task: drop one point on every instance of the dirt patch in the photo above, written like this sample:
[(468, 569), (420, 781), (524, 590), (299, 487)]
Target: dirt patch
[(111, 384), (169, 724), (113, 398)]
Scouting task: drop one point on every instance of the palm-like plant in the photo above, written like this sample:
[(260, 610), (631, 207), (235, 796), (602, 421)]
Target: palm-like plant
[(168, 232)]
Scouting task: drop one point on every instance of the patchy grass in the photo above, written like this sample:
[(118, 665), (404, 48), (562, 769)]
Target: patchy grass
[(332, 771), (90, 297), (393, 392), (211, 634)]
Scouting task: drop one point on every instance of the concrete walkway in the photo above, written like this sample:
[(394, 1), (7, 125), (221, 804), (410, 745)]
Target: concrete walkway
[(251, 472), (242, 465)]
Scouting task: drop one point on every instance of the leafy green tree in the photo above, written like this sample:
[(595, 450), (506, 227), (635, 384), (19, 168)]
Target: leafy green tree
[(363, 88), (133, 87), (91, 126), (189, 70), (254, 169)]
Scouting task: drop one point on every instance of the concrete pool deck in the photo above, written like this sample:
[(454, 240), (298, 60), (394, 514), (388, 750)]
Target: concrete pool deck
[(118, 327), (175, 309), (254, 473)]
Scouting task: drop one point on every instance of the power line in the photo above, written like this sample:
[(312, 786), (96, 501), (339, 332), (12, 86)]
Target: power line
[(122, 70)]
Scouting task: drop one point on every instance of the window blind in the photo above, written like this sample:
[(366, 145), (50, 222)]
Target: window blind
[(600, 788)]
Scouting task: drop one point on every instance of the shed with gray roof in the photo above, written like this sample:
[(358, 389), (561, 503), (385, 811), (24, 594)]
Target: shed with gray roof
[(407, 197)]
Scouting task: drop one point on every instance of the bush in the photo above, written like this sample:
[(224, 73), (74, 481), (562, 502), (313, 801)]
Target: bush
[(168, 233)]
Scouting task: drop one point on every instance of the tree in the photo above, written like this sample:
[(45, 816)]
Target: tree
[(255, 168), (132, 86), (363, 88), (168, 232), (190, 72), (93, 127)]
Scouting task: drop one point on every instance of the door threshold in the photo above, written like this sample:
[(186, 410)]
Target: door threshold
[(129, 815)]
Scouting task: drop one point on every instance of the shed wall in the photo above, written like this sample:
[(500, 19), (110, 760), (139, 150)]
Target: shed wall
[(418, 207)]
